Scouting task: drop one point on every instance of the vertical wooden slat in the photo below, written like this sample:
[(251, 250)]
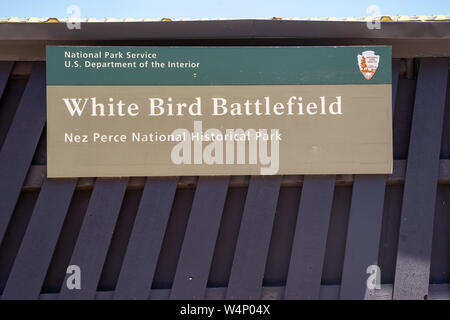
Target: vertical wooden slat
[(138, 269), (33, 259), (308, 249), (364, 227), (416, 227), (200, 238), (253, 242), (5, 71), (395, 76), (363, 235), (20, 144), (95, 236)]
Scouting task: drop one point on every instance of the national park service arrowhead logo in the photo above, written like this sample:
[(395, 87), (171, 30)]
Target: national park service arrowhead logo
[(368, 63)]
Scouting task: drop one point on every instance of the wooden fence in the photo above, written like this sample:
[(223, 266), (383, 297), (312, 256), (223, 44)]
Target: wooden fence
[(289, 237)]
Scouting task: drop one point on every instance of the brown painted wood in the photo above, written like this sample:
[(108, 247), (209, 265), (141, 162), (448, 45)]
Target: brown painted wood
[(395, 76), (364, 227), (363, 235), (95, 236), (9, 103), (139, 265), (200, 238), (327, 292), (33, 259), (308, 249), (252, 247), (419, 196), (5, 71), (363, 216), (37, 173), (20, 144)]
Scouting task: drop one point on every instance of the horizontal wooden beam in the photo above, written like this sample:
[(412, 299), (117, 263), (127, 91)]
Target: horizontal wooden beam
[(37, 173), (225, 29), (327, 292)]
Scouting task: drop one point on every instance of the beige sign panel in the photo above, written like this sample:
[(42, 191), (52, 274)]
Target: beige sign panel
[(111, 131)]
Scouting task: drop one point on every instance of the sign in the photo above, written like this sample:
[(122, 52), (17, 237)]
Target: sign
[(174, 111)]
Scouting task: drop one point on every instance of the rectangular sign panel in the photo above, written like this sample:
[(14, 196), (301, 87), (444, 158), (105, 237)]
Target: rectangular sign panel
[(174, 111)]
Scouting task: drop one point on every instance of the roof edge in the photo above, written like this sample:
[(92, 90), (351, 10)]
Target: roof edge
[(225, 29)]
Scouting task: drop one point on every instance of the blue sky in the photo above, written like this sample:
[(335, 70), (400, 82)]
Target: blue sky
[(219, 8)]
